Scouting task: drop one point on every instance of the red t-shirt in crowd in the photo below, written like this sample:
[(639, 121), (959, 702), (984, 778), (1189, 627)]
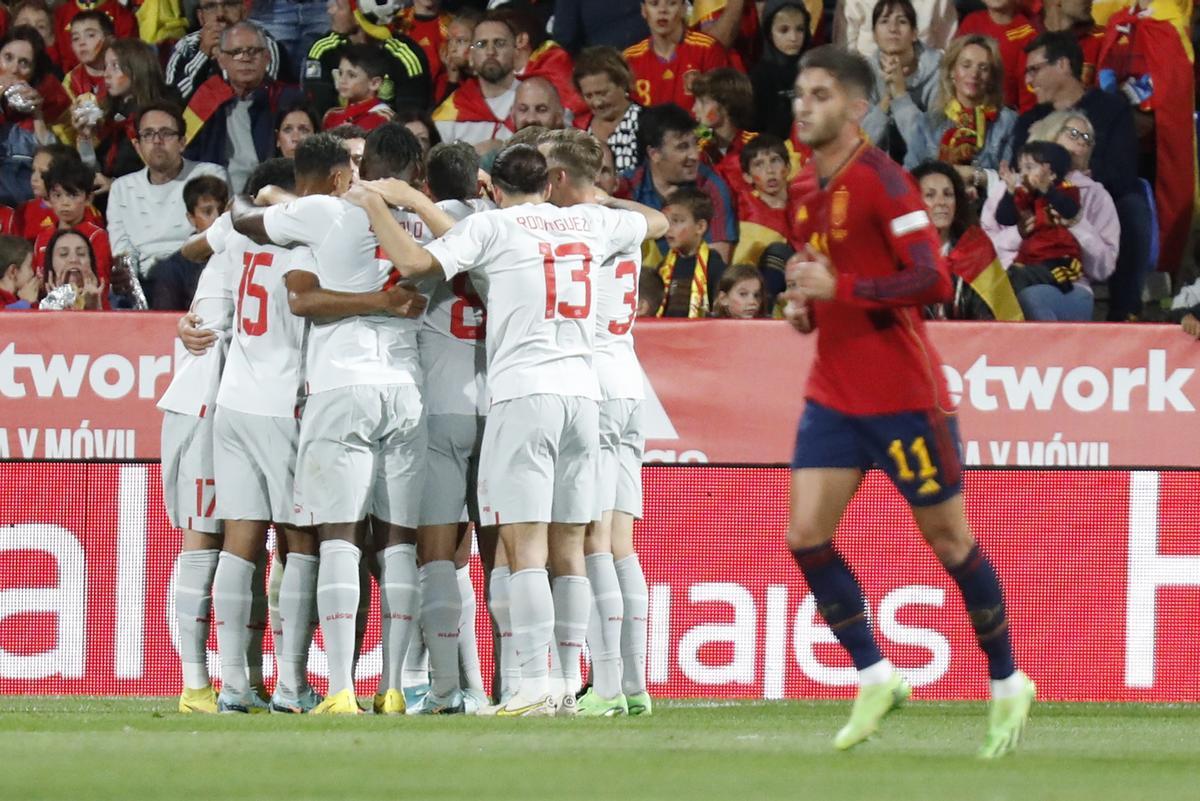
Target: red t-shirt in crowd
[(367, 114), (94, 234), (873, 353), (35, 215), (658, 80), (1012, 38), (428, 32)]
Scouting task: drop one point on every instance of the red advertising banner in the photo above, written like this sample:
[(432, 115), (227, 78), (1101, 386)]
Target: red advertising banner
[(83, 385), (1101, 570)]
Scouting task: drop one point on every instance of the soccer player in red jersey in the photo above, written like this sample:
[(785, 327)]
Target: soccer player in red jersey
[(868, 259), (665, 64)]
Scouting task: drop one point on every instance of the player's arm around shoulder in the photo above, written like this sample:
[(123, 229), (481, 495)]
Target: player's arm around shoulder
[(308, 299), (409, 258), (656, 221)]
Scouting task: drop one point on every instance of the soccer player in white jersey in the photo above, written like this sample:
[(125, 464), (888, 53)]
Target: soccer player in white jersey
[(575, 159), (532, 264), (362, 438)]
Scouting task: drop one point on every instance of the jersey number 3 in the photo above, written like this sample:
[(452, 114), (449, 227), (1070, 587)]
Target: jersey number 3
[(578, 275), (258, 326)]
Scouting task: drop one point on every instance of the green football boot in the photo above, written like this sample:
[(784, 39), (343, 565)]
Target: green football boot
[(1006, 720), (871, 705)]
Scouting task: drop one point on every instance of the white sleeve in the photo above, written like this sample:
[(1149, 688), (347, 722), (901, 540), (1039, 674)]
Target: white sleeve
[(218, 233), (305, 220), (463, 246), (626, 229), (302, 259)]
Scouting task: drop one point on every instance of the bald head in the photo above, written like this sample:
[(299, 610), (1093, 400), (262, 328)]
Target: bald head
[(537, 103)]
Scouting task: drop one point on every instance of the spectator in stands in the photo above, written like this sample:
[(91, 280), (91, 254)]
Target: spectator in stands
[(650, 292), (19, 146), (970, 127), (762, 202), (906, 81), (361, 73), (691, 271), (785, 33), (195, 57), (456, 54), (665, 64), (146, 215), (1185, 308), (479, 112), (231, 119), (409, 79), (355, 139), (981, 287), (733, 23), (1054, 67), (854, 23), (607, 179), (295, 24), (1075, 18), (205, 198), (69, 185), (538, 56), (70, 260), (124, 24), (740, 294), (20, 286), (91, 33), (671, 159), (586, 23), (724, 107), (23, 63), (537, 103), (1003, 21), (37, 15), (426, 24), (605, 81), (421, 124), (293, 125), (36, 213)]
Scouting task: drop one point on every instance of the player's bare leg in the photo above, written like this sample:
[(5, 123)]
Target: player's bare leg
[(572, 594), (440, 612), (945, 528), (819, 499), (470, 675), (605, 698), (399, 605), (244, 546), (298, 613), (194, 571), (338, 594), (508, 670)]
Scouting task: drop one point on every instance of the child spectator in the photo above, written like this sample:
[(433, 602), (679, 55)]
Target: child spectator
[(740, 293), (124, 23), (650, 292), (37, 215), (785, 28), (665, 64), (71, 260), (724, 108), (91, 33), (175, 277), (691, 271), (1002, 21), (20, 286), (1042, 206), (361, 72), (762, 204), (69, 188)]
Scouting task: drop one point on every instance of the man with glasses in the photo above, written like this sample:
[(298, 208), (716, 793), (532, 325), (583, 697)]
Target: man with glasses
[(231, 118), (479, 111), (194, 59), (147, 217)]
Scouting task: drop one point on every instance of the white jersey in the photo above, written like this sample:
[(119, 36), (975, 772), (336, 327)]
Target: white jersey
[(616, 363), (264, 370), (453, 358), (366, 349), (193, 389), (534, 265)]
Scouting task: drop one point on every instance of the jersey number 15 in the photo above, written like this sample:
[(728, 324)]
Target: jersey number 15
[(258, 326)]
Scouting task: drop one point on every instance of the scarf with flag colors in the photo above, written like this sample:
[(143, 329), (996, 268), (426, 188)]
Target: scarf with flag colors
[(698, 299)]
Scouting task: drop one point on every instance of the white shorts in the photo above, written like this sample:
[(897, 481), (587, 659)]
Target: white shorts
[(255, 457), (619, 470), (362, 452), (538, 461), (451, 469), (189, 481)]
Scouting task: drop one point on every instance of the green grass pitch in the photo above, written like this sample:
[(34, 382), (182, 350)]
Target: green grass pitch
[(93, 748)]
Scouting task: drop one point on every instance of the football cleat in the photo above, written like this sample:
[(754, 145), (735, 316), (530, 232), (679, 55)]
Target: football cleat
[(592, 705), (246, 703), (303, 702), (568, 706), (474, 700), (435, 705), (340, 703), (543, 707), (261, 691), (1006, 720), (414, 694), (639, 704), (871, 705), (203, 701), (389, 703)]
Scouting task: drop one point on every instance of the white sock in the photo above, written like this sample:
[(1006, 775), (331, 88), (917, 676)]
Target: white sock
[(274, 620), (258, 623), (399, 607), (441, 608), (500, 604), (297, 595), (471, 677), (231, 610), (636, 599), (1008, 687), (337, 609), (416, 662), (877, 673), (572, 608), (193, 608), (362, 615), (558, 682), (604, 626), (532, 613)]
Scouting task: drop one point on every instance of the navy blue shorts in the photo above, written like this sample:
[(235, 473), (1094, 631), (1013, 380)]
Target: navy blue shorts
[(920, 451)]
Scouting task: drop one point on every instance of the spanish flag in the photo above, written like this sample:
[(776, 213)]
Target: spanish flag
[(211, 95), (467, 104), (554, 64), (759, 225), (974, 260)]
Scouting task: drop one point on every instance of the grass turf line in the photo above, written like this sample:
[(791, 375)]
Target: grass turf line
[(104, 748)]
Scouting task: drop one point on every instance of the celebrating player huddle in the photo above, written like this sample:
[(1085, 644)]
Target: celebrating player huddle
[(337, 389)]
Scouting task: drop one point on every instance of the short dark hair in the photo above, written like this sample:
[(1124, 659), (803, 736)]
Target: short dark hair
[(849, 69), (520, 20), (368, 57), (59, 234), (407, 114), (1058, 45), (651, 288), (203, 186), (500, 17), (520, 170), (71, 175), (167, 107), (655, 122), (731, 90), (57, 151), (98, 17), (1050, 154), (964, 212), (272, 172), (347, 130), (319, 155), (695, 200), (453, 171), (391, 151), (13, 251), (298, 106), (760, 143), (905, 7)]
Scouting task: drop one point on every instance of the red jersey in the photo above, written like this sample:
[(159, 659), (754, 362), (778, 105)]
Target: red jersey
[(728, 165), (658, 80), (428, 32), (1012, 38), (9, 221), (554, 64), (79, 81), (1090, 38), (874, 355), (367, 114), (748, 44), (124, 26), (35, 215)]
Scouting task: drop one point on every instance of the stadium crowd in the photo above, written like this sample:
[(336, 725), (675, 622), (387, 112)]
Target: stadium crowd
[(1053, 140)]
